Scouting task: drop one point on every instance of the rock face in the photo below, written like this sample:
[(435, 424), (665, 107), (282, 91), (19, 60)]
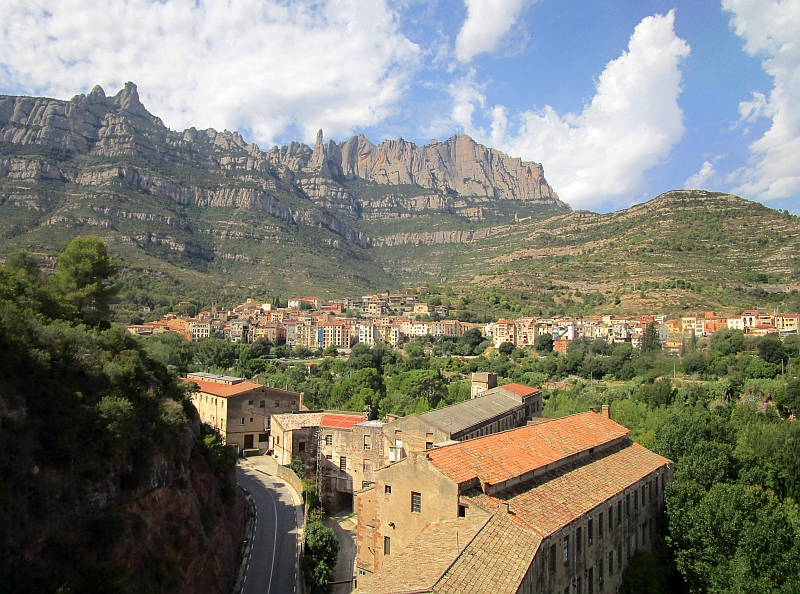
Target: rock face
[(107, 162), (457, 166)]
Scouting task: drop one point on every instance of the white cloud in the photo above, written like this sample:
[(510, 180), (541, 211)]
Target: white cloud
[(601, 155), (487, 21), (261, 65), (703, 179), (750, 111), (772, 29)]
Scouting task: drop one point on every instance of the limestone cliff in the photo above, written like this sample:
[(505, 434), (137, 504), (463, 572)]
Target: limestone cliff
[(457, 166), (205, 199)]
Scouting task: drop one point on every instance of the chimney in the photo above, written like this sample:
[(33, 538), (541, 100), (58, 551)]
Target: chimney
[(302, 397), (504, 508), (607, 411), (593, 409)]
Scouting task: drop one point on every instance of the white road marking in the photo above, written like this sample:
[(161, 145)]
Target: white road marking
[(274, 540)]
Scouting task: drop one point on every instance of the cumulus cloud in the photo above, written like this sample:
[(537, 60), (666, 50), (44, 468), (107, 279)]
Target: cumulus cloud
[(264, 66), (601, 154), (771, 29), (486, 23), (703, 178)]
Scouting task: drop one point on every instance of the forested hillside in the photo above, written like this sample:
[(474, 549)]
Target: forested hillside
[(109, 481)]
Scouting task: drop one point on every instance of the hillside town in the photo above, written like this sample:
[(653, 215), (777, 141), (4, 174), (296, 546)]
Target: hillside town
[(314, 323)]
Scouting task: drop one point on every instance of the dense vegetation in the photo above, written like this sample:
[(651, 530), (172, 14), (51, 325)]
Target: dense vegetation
[(88, 420), (733, 519)]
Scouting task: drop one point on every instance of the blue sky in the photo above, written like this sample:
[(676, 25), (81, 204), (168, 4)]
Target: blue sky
[(619, 100)]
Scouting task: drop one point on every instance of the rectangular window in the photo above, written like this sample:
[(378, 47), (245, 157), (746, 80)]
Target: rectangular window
[(387, 489), (636, 500), (578, 539), (416, 502), (619, 556), (387, 545), (642, 495), (328, 439), (365, 484), (301, 447), (552, 559), (611, 563), (277, 403), (610, 518), (619, 512), (366, 442), (462, 511), (342, 463), (590, 581), (578, 586), (628, 505), (600, 576), (263, 437), (242, 421), (662, 485), (328, 457), (428, 445), (566, 549), (590, 532), (367, 465), (644, 533), (250, 402), (262, 403)]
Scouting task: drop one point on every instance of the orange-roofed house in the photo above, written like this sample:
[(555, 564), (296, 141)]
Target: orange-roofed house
[(557, 506), (240, 409)]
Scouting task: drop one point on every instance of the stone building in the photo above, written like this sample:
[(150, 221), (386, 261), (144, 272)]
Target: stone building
[(240, 409), (558, 506), (341, 451), (497, 409)]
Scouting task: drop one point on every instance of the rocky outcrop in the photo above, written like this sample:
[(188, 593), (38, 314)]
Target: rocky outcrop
[(114, 143), (436, 237), (457, 166), (320, 218), (29, 169)]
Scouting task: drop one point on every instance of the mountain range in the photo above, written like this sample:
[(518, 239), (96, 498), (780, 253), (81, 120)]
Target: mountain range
[(207, 209)]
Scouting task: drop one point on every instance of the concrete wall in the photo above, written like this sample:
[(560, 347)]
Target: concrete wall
[(391, 514), (365, 450), (414, 432), (636, 529), (247, 406)]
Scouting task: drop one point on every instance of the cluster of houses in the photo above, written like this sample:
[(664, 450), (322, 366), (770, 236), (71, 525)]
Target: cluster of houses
[(317, 324), (483, 495)]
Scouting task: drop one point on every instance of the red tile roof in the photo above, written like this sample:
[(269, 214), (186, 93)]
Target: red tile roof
[(502, 456), (223, 390), (520, 389), (342, 421), (548, 503)]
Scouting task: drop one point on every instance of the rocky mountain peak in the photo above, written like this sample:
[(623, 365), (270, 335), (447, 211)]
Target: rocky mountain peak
[(128, 100)]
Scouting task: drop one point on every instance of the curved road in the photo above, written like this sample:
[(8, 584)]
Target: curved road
[(272, 562)]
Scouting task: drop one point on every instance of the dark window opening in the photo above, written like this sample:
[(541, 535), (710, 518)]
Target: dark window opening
[(416, 502)]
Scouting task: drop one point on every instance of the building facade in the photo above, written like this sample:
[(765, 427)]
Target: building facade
[(559, 506), (239, 409)]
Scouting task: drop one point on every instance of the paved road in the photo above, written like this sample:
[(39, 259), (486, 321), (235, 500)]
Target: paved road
[(272, 564), (345, 530)]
